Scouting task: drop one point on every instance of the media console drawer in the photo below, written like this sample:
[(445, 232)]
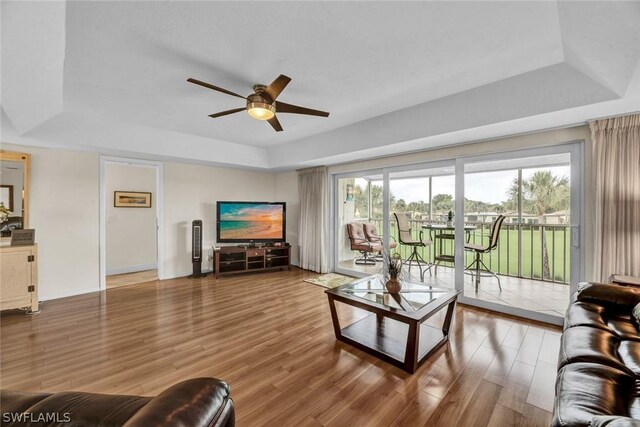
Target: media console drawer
[(255, 252)]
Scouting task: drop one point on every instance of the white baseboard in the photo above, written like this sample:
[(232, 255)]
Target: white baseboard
[(64, 294), (175, 275), (131, 269)]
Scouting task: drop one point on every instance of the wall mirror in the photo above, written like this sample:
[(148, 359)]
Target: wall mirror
[(14, 192)]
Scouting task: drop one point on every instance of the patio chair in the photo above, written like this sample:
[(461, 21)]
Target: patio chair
[(406, 238), (371, 233), (359, 243), (475, 267)]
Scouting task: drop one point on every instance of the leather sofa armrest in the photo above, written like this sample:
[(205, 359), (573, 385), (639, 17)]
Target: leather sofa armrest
[(608, 294), (198, 402)]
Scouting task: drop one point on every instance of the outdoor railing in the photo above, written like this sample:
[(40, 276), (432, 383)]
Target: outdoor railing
[(520, 252)]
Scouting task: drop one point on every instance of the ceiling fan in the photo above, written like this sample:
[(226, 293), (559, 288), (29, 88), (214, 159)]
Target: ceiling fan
[(262, 104)]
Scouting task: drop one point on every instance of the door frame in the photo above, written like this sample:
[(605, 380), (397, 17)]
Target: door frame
[(335, 219), (159, 202), (576, 151)]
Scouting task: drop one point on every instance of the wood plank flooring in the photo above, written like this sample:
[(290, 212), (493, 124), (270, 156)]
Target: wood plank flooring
[(127, 279), (270, 336)]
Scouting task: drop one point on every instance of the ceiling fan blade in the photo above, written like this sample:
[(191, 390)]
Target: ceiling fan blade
[(273, 121), (210, 86), (224, 113), (277, 86), (281, 107)]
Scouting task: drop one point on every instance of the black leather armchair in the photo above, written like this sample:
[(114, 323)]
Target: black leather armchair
[(199, 402)]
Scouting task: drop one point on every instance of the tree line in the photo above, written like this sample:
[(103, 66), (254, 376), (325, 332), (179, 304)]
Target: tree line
[(542, 193)]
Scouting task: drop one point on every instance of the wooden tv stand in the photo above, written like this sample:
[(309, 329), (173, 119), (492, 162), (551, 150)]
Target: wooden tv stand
[(233, 259)]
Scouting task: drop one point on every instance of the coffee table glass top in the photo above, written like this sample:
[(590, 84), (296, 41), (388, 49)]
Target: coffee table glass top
[(412, 297)]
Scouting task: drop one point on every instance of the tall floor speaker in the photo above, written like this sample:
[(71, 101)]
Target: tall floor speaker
[(196, 248)]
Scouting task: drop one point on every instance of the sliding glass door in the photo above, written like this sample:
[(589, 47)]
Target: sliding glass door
[(528, 264), (502, 228)]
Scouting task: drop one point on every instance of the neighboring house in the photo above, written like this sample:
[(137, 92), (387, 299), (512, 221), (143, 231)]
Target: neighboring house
[(559, 217)]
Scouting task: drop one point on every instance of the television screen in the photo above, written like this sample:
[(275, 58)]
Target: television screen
[(239, 222)]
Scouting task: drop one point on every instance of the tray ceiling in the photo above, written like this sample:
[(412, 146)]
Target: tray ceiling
[(111, 76)]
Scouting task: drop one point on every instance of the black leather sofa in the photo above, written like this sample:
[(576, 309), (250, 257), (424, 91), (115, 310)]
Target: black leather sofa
[(199, 402), (598, 382)]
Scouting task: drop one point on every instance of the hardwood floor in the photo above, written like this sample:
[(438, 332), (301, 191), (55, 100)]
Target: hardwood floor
[(127, 279), (270, 336)]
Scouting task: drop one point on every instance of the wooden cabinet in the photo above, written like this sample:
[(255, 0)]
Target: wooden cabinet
[(19, 277), (233, 259)]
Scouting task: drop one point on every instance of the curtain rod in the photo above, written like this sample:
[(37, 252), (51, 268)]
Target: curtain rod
[(614, 116), (311, 169)]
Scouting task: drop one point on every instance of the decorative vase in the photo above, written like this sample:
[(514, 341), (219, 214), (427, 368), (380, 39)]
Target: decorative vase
[(393, 285)]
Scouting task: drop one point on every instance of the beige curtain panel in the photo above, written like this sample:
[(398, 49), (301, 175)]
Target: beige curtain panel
[(313, 229), (616, 171)]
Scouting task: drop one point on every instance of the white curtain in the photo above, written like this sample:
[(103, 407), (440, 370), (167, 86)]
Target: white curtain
[(616, 167), (313, 229)]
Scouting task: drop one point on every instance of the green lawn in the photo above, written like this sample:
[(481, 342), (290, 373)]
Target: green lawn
[(504, 259)]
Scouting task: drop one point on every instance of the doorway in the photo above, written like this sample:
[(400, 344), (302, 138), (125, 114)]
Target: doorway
[(130, 222)]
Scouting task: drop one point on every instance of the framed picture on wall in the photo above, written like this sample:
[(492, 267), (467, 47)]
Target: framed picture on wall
[(131, 199)]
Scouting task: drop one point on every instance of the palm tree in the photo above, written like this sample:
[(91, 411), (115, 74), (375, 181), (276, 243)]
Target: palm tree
[(544, 193)]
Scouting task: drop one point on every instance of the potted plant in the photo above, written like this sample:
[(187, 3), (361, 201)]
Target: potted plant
[(394, 266), (450, 218)]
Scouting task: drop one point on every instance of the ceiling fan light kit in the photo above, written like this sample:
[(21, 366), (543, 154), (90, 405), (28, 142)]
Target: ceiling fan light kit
[(262, 104), (259, 108)]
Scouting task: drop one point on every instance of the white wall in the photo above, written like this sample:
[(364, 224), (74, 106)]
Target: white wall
[(130, 232), (191, 192), (64, 212), (287, 191), (533, 140)]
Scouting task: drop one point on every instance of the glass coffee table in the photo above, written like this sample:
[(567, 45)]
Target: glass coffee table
[(395, 331)]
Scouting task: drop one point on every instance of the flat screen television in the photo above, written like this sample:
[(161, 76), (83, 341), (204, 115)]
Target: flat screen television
[(251, 222)]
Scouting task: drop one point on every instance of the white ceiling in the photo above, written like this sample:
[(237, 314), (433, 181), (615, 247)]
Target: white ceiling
[(396, 76)]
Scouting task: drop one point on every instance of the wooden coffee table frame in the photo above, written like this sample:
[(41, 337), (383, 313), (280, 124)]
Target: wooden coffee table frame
[(384, 329)]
